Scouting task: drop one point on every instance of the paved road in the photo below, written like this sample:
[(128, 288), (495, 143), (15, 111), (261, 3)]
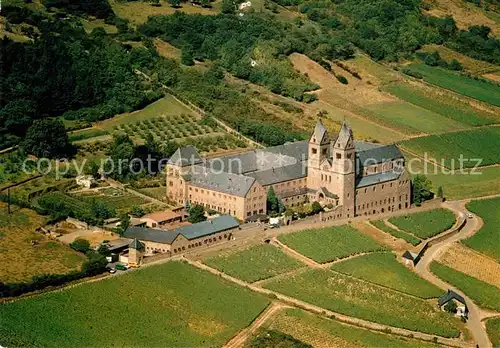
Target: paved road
[(474, 324)]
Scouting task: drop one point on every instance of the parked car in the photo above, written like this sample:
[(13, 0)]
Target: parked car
[(469, 215), (112, 270), (121, 267)]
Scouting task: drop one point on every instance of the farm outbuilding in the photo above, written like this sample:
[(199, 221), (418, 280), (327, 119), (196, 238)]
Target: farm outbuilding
[(458, 303), (182, 239)]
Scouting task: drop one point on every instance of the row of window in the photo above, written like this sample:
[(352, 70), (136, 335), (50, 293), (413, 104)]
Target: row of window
[(214, 207), (205, 241), (382, 210), (214, 194)]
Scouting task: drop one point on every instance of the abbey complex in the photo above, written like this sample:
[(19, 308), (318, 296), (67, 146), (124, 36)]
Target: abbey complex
[(352, 177)]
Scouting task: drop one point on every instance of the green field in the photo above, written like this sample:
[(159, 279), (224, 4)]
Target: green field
[(447, 148), (447, 107), (380, 224), (255, 263), (472, 183), (173, 304), (480, 90), (493, 329), (328, 244), (414, 119), (425, 224), (487, 239), (383, 269), (86, 134), (357, 298), (321, 332), (166, 106), (483, 294)]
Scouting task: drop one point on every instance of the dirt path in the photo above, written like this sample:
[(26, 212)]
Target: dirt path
[(311, 263), (474, 323), (245, 334), (322, 311)]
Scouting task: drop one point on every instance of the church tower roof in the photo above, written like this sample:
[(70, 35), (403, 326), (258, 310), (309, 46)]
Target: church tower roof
[(344, 136), (320, 134)]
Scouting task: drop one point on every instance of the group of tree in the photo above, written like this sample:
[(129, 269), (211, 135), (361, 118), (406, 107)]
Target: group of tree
[(196, 214), (64, 71), (130, 161), (434, 59)]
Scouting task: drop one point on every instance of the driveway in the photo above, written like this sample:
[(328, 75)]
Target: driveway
[(474, 324)]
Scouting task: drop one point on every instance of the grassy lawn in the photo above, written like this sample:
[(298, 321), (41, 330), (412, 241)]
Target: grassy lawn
[(332, 243), (357, 298), (487, 239), (457, 185), (453, 81), (414, 119), (255, 263), (381, 225), (321, 332), (425, 224), (114, 198), (493, 329), (383, 269), (445, 107), (173, 304), (483, 294), (137, 12), (166, 106), (447, 148), (19, 259), (90, 25)]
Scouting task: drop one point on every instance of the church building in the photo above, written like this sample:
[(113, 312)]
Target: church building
[(351, 177)]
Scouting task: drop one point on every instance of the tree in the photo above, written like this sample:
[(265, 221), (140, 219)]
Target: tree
[(124, 224), (421, 189), (228, 7), (273, 203), (456, 65), (451, 307), (92, 168), (187, 57), (316, 208), (103, 250), (175, 3), (440, 193), (196, 214), (137, 211), (81, 245), (205, 3), (48, 138), (95, 264)]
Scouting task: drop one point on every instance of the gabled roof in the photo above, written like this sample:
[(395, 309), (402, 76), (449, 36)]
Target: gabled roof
[(378, 178), (378, 154), (200, 229), (150, 234), (161, 216), (450, 295), (187, 155), (280, 174), (320, 135), (328, 193), (233, 184), (136, 244)]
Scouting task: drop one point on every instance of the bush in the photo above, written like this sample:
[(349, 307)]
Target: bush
[(81, 245), (342, 79)]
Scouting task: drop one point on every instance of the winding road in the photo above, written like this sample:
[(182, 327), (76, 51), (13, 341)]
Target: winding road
[(473, 224)]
